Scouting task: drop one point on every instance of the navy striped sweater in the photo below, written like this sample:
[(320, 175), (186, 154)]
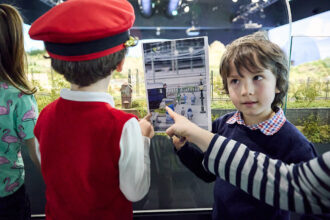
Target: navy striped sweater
[(306, 184), (230, 202)]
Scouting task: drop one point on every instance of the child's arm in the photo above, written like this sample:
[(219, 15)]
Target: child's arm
[(33, 148), (146, 128), (306, 184), (134, 162), (27, 106), (190, 156)]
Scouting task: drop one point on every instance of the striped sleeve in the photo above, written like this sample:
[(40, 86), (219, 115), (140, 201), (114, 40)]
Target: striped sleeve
[(302, 188)]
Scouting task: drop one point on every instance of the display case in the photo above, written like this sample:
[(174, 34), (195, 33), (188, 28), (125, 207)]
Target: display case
[(175, 192)]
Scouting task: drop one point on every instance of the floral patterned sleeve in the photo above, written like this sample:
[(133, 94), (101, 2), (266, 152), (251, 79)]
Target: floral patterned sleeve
[(26, 112)]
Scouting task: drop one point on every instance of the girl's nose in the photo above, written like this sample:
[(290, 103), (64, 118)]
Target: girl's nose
[(247, 88)]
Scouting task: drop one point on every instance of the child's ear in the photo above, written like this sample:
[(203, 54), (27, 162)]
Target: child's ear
[(277, 90), (120, 65)]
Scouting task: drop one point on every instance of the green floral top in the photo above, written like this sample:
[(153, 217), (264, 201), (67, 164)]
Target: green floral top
[(18, 115)]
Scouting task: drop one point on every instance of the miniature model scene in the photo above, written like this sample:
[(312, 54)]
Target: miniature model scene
[(176, 75)]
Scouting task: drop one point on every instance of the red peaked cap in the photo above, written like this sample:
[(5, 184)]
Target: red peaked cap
[(78, 30)]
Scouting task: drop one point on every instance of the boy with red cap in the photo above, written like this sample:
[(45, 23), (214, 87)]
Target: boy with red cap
[(94, 158)]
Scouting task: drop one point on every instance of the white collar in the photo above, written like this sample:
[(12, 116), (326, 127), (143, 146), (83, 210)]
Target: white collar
[(81, 96)]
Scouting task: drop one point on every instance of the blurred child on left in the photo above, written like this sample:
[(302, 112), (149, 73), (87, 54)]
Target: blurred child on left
[(18, 114)]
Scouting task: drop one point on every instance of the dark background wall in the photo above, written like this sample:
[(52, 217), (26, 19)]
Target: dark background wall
[(32, 9), (214, 18)]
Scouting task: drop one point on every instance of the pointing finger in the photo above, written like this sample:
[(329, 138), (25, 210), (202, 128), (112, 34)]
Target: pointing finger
[(171, 112), (147, 117)]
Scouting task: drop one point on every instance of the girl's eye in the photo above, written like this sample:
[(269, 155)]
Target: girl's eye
[(234, 81), (258, 77)]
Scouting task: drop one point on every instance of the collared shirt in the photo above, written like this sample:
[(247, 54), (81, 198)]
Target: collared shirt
[(268, 127)]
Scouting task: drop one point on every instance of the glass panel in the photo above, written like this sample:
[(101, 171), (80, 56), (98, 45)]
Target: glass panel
[(308, 96), (173, 186), (222, 21)]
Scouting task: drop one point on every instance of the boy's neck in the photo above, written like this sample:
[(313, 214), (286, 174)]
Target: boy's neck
[(99, 86), (256, 120)]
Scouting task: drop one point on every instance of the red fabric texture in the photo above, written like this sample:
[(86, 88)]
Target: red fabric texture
[(79, 145), (77, 21)]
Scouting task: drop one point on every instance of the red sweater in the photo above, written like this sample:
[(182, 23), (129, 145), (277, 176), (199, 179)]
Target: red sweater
[(79, 146)]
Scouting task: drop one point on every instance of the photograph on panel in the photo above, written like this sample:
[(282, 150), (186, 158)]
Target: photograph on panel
[(177, 76)]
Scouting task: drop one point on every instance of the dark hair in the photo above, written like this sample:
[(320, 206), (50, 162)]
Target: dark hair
[(256, 53), (12, 54), (85, 73)]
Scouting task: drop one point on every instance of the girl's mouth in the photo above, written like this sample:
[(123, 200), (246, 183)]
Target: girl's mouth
[(249, 103)]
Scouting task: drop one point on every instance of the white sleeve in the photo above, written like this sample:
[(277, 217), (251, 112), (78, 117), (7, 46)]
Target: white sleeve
[(134, 162)]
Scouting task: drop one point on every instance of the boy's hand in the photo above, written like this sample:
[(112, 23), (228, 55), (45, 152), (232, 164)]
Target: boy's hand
[(146, 128), (178, 142), (186, 130), (182, 128)]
